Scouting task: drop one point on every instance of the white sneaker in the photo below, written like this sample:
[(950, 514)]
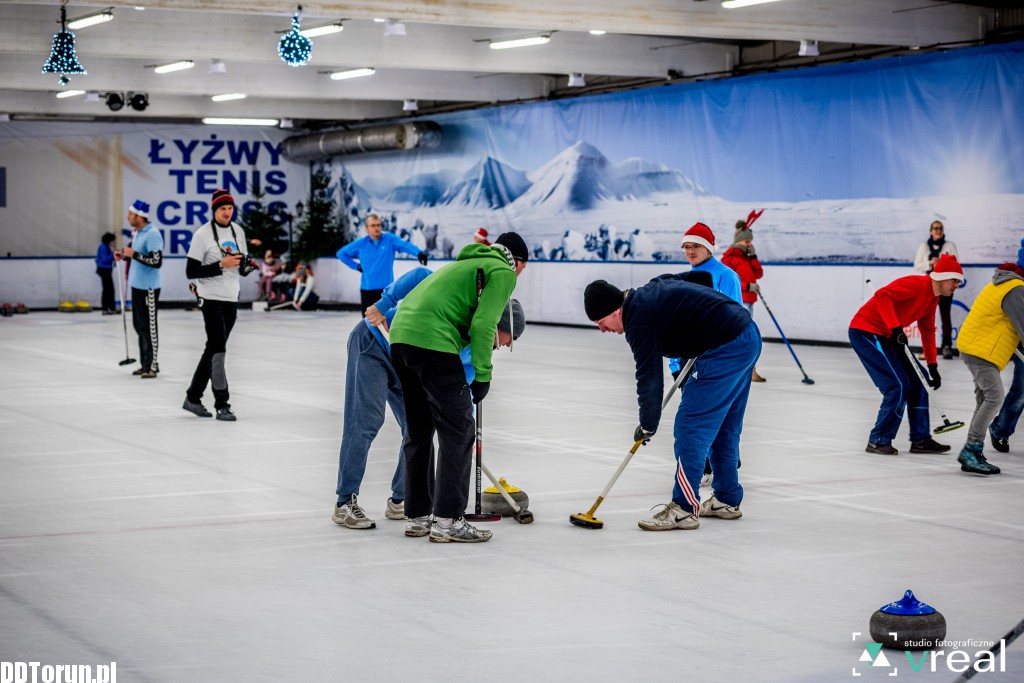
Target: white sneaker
[(395, 510), (417, 526), (460, 531), (352, 516), (671, 517), (712, 507)]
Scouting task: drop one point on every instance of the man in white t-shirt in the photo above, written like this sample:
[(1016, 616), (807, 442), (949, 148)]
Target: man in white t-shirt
[(217, 259)]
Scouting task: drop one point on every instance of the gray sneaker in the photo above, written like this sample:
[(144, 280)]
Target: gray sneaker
[(352, 516), (417, 526), (460, 531), (669, 518), (394, 510), (712, 507), (196, 408)]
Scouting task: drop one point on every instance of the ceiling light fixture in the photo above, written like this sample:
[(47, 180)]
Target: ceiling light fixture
[(115, 101), (410, 105), (227, 97), (100, 17), (352, 73), (173, 66), (576, 81), (808, 48), (69, 93), (215, 121), (326, 30), (733, 4), (519, 42), (217, 66), (597, 32), (394, 28), (379, 20), (138, 101)]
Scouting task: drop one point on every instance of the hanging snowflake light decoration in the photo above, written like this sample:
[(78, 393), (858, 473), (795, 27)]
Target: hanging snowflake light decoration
[(63, 59), (294, 47)]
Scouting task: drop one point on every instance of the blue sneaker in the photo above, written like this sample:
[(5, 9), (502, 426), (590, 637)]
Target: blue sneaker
[(972, 460)]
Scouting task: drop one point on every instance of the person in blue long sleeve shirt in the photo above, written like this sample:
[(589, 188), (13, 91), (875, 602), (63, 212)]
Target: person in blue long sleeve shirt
[(374, 257), (104, 268), (671, 316), (371, 384), (698, 247)]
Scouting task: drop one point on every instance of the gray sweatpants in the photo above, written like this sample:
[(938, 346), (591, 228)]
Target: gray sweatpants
[(988, 394)]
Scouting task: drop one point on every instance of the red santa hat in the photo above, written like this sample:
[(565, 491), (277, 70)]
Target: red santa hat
[(702, 235), (947, 268)]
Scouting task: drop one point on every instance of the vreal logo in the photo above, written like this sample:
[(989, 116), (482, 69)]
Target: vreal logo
[(954, 659)]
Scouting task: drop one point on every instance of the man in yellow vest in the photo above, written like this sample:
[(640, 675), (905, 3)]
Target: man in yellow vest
[(990, 334)]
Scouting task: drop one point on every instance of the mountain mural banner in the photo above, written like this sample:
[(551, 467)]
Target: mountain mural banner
[(850, 163)]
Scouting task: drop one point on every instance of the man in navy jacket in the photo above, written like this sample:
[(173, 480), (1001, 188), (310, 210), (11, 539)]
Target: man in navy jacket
[(672, 317)]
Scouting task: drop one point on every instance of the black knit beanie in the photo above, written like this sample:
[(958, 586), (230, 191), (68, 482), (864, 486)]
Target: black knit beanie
[(515, 244), (601, 299)]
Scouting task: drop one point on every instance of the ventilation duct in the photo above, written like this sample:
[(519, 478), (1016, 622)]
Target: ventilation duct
[(417, 135)]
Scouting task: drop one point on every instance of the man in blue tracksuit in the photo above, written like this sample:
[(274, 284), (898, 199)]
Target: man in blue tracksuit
[(374, 257), (672, 317), (370, 383)]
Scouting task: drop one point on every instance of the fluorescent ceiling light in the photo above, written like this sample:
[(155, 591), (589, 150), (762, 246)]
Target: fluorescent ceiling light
[(733, 4), (228, 97), (336, 27), (69, 93), (379, 20), (91, 19), (597, 32), (174, 66), (519, 42), (352, 73), (214, 121)]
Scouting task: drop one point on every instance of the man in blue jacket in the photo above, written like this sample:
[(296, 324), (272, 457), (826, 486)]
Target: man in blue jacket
[(374, 257), (146, 251), (371, 383), (673, 317)]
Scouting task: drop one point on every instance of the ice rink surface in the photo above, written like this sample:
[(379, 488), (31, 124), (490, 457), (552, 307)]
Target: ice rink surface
[(194, 550)]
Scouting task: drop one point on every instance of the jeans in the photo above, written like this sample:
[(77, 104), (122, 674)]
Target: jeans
[(899, 391), (218, 318), (1013, 405), (370, 383), (144, 303), (437, 400), (710, 418), (988, 396)]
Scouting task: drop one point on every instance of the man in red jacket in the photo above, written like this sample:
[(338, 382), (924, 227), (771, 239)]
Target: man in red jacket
[(742, 258), (876, 335)]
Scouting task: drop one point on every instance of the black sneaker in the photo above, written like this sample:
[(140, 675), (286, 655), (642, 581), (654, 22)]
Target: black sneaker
[(196, 408), (225, 414), (148, 374), (880, 449), (138, 371), (928, 445), (1001, 445)]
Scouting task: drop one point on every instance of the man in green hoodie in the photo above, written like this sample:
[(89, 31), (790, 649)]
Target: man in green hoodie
[(458, 306)]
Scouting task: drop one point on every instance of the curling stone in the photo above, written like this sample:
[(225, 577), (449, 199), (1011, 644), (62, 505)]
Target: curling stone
[(66, 307), (916, 626), (493, 503)]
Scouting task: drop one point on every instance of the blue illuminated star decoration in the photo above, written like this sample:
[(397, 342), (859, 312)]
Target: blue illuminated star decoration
[(63, 59), (294, 47)]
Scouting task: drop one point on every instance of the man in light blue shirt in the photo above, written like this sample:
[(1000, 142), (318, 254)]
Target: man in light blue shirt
[(146, 252), (374, 257)]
